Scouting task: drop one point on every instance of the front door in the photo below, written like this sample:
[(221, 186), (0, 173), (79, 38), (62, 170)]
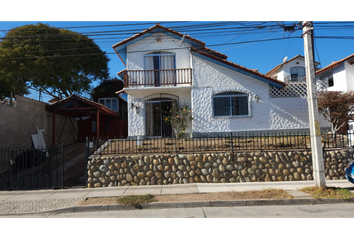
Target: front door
[(156, 112)]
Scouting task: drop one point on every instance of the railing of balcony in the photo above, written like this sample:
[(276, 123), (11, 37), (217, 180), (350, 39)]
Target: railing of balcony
[(158, 77)]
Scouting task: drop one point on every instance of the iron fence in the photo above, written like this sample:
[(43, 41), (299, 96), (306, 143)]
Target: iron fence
[(30, 168), (218, 142)]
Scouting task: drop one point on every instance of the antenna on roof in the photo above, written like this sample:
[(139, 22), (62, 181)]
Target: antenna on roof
[(184, 34), (285, 58)]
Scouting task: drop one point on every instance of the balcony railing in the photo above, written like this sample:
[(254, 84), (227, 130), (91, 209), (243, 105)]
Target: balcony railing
[(160, 77)]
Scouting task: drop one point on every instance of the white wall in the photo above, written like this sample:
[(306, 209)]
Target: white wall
[(284, 70), (267, 114), (136, 51), (349, 76), (339, 78)]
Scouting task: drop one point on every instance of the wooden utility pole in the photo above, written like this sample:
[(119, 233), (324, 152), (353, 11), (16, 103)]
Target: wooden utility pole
[(315, 130)]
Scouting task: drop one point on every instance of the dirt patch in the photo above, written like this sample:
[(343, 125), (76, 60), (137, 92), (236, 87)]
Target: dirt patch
[(199, 197)]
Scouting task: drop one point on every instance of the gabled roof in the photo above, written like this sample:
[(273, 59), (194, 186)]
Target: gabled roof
[(76, 106), (198, 48), (155, 29), (287, 61), (335, 64)]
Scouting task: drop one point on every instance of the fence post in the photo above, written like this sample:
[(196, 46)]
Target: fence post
[(87, 156), (232, 147), (62, 165)]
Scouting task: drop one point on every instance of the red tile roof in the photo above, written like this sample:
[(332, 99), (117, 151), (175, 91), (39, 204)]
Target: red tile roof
[(201, 50), (335, 64)]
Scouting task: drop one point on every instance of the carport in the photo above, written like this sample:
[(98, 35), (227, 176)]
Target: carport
[(79, 107)]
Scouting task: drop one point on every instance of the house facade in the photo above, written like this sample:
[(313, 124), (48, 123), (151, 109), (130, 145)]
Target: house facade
[(290, 70), (165, 67), (338, 75)]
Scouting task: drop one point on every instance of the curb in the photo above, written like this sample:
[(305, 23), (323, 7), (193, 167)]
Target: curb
[(239, 203)]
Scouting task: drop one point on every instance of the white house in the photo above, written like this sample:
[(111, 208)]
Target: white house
[(290, 70), (339, 75), (164, 66)]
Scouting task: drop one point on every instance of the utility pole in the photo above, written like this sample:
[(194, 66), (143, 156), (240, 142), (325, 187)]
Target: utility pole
[(315, 130)]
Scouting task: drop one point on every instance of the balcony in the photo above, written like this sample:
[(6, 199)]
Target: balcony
[(157, 78)]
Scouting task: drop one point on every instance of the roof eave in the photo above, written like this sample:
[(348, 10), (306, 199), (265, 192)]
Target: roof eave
[(241, 69)]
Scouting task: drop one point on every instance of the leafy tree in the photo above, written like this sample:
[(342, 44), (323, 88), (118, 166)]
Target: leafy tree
[(336, 107), (56, 61), (9, 88), (178, 117), (109, 86)]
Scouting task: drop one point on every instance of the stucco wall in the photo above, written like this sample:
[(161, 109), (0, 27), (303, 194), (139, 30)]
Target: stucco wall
[(136, 51), (267, 114), (18, 123)]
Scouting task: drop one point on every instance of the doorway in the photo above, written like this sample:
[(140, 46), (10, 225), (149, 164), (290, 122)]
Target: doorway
[(156, 112), (157, 107)]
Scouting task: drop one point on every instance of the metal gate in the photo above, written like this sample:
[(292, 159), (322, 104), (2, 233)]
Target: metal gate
[(29, 168), (157, 107)]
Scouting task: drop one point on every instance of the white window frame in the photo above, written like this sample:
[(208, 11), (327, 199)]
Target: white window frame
[(105, 99), (297, 73)]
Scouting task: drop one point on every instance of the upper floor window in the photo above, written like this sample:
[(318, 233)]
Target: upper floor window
[(297, 74), (231, 104), (159, 60), (111, 103)]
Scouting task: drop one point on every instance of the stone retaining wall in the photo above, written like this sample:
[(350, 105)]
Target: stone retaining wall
[(212, 168)]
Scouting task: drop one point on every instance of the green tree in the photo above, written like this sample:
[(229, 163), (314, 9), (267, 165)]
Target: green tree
[(179, 117), (9, 87), (109, 86), (56, 61)]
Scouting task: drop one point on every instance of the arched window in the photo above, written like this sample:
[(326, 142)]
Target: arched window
[(231, 104)]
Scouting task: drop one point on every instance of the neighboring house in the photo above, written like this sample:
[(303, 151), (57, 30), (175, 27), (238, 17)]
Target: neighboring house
[(290, 71), (338, 75), (164, 66)]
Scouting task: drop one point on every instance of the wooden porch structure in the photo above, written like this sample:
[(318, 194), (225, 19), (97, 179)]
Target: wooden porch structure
[(79, 107)]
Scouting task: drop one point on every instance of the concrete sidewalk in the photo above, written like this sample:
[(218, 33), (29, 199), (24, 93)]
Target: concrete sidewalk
[(66, 200)]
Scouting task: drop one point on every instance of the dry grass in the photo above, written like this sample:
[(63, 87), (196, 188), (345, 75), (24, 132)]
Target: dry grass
[(199, 197), (328, 192)]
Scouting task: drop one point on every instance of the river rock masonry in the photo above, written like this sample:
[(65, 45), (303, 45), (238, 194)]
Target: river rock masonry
[(258, 166)]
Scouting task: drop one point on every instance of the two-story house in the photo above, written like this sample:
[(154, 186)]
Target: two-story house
[(164, 66), (290, 70), (338, 75)]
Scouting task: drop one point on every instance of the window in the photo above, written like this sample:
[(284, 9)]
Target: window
[(329, 79), (111, 103), (159, 60), (297, 74), (231, 104), (164, 62)]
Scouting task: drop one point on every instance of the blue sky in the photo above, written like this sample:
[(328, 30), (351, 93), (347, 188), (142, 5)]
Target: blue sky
[(263, 55)]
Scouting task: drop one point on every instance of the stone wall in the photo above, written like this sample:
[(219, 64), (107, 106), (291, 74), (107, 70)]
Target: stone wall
[(110, 171)]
